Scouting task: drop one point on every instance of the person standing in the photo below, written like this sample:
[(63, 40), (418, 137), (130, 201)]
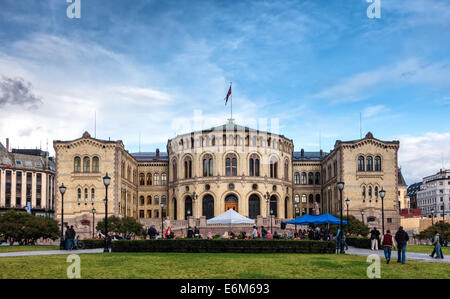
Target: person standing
[(152, 232), (196, 232), (401, 238), (255, 232), (67, 237), (144, 232), (263, 232), (387, 243), (374, 235), (190, 233), (437, 245)]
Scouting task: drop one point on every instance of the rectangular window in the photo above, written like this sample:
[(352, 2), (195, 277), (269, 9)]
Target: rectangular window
[(18, 189), (156, 213), (29, 184), (8, 189), (38, 189), (389, 220), (149, 213), (141, 214)]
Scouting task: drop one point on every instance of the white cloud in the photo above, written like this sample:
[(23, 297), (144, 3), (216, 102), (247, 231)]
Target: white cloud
[(420, 156), (374, 110)]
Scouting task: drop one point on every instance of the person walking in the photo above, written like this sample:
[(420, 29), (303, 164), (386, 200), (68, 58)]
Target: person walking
[(401, 238), (196, 232), (374, 235), (263, 232), (387, 242), (255, 232), (67, 237), (437, 245), (442, 243)]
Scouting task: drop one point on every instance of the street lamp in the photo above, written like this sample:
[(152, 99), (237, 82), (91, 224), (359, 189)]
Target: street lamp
[(340, 186), (347, 203), (188, 214), (62, 189), (106, 182), (362, 216), (432, 216), (382, 194), (271, 212), (163, 203), (93, 220)]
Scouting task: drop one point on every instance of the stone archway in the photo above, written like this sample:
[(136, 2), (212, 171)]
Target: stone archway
[(273, 209), (188, 211), (231, 202), (208, 206), (254, 206)]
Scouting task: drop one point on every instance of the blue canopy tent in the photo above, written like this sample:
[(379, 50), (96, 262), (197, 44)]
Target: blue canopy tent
[(316, 219)]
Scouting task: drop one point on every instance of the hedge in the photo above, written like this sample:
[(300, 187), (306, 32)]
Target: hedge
[(93, 243), (358, 242), (224, 246)]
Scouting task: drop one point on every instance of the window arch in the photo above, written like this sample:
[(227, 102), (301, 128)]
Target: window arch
[(92, 195), (79, 195), (163, 179), (303, 198), (77, 164), (174, 169), (95, 164), (254, 165), (377, 163), (369, 166), (86, 195), (303, 178), (318, 198), (311, 198), (376, 191), (142, 200), (317, 178), (273, 167), (296, 178), (149, 179), (286, 169), (149, 200), (360, 163), (370, 191), (156, 179), (141, 179), (364, 192), (188, 167), (310, 178), (231, 165), (86, 164), (207, 165), (297, 198)]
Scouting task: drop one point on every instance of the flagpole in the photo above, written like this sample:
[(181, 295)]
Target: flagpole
[(231, 84)]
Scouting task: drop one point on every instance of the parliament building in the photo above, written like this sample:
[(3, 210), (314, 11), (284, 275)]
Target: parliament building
[(204, 173)]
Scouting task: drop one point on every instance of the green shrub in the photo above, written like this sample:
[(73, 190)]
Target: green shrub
[(224, 246), (93, 243), (358, 242)]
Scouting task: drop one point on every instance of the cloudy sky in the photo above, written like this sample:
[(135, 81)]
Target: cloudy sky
[(158, 68)]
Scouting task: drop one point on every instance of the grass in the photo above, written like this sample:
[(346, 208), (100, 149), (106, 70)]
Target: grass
[(218, 265), (426, 249), (17, 248)]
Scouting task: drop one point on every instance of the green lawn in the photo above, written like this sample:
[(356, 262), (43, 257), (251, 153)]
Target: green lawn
[(217, 265), (426, 249), (17, 248)]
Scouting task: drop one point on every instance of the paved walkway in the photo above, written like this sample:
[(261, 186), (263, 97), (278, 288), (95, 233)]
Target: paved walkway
[(49, 252), (412, 256)]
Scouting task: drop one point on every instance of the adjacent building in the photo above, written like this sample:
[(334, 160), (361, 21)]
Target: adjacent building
[(433, 198), (27, 181)]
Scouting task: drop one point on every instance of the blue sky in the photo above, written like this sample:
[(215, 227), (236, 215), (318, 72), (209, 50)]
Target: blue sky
[(311, 67)]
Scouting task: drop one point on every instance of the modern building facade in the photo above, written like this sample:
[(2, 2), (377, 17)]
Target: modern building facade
[(433, 196), (207, 172), (27, 181)]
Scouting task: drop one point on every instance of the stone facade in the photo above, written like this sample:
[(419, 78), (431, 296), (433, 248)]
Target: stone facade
[(204, 173)]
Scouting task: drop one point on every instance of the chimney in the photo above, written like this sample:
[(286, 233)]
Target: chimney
[(7, 144), (321, 153), (302, 152), (157, 152)]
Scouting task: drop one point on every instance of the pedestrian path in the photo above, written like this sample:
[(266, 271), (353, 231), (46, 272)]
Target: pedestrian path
[(412, 256), (50, 252)]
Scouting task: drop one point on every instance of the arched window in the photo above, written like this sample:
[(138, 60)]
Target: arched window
[(163, 179), (303, 198), (86, 195), (303, 178), (376, 191), (149, 200), (311, 198), (95, 164), (286, 170), (361, 163), (142, 200), (123, 170), (174, 169), (79, 195), (156, 200), (318, 198), (231, 165), (187, 167), (273, 167), (207, 165), (364, 192), (310, 178), (129, 173), (77, 164), (254, 165), (317, 178), (141, 179), (92, 195), (156, 178), (297, 178), (149, 179), (370, 191), (297, 198), (86, 164), (369, 163), (377, 163)]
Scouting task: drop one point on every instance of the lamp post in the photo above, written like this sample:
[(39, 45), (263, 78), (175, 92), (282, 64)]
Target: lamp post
[(295, 213), (347, 203), (93, 220), (340, 186), (62, 189), (106, 182), (271, 212), (362, 216), (163, 203), (188, 214), (432, 216), (382, 194)]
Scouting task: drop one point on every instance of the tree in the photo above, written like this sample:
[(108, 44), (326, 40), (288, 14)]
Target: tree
[(355, 226), (441, 227), (114, 223), (26, 228), (126, 226)]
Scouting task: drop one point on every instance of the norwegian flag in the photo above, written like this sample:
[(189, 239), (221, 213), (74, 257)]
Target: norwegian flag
[(228, 95)]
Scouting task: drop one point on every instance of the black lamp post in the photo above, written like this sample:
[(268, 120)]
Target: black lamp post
[(62, 189), (93, 221), (382, 194), (188, 214), (362, 216), (347, 203), (106, 182), (432, 216), (340, 186), (163, 203)]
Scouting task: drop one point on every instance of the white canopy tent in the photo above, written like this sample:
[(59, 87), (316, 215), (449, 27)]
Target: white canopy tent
[(230, 217)]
